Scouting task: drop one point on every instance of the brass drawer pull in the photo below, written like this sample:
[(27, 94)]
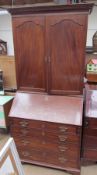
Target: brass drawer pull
[(62, 138), (23, 123), (25, 142), (86, 123), (24, 132), (43, 133), (63, 128), (62, 160), (25, 153), (63, 148)]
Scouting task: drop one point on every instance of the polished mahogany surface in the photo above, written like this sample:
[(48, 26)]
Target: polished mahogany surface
[(66, 44), (49, 43), (59, 109), (91, 103), (51, 60), (29, 33), (47, 62), (47, 130)]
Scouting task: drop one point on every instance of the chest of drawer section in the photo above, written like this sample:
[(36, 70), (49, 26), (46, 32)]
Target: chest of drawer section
[(53, 143), (90, 139)]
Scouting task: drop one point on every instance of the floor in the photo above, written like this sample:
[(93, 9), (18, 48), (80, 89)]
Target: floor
[(36, 170)]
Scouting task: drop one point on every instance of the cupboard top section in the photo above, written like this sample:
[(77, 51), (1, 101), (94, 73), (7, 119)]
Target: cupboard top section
[(42, 107), (50, 8)]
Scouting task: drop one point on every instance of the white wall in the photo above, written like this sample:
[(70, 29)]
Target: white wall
[(6, 32), (6, 29), (92, 26)]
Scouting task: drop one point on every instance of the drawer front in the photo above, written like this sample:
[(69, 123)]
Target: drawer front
[(43, 142), (24, 123), (46, 136), (69, 150), (90, 132), (33, 133), (31, 155), (63, 138), (52, 158), (45, 126), (62, 161), (90, 154), (90, 123), (90, 127), (62, 128), (54, 137), (90, 142)]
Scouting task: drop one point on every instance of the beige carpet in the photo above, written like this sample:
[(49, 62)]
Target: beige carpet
[(36, 170)]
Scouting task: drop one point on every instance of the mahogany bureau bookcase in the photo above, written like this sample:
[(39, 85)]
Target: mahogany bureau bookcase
[(90, 127), (47, 130), (49, 43)]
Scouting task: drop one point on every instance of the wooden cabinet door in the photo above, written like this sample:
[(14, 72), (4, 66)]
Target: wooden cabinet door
[(66, 50), (29, 52)]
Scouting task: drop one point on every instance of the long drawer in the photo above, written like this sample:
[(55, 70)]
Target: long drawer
[(44, 143), (62, 160), (71, 151), (51, 158), (90, 122), (47, 126), (52, 137), (90, 132), (90, 127), (90, 142)]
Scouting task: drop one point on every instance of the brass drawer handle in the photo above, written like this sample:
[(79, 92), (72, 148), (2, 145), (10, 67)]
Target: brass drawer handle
[(24, 132), (25, 142), (62, 160), (63, 148), (43, 133), (25, 153), (86, 123), (62, 138), (23, 123), (63, 128)]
